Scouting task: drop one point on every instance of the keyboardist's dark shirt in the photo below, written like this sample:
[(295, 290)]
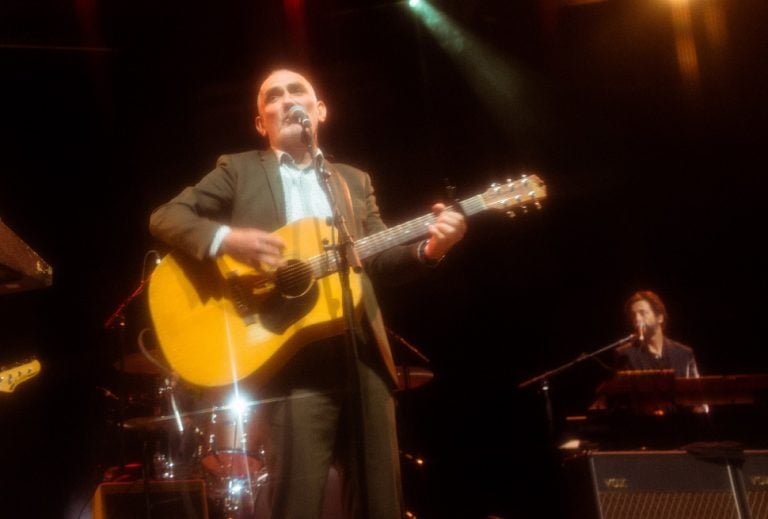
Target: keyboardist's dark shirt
[(675, 356)]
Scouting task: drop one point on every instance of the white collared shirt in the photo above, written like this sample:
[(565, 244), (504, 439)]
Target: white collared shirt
[(302, 193)]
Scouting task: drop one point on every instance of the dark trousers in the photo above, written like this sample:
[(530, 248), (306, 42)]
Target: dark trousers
[(318, 421)]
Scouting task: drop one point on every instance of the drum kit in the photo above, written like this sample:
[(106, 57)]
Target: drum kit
[(189, 433)]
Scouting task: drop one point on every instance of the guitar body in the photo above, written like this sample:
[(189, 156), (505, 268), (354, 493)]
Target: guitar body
[(219, 322)]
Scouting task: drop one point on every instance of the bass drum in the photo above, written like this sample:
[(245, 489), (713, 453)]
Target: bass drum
[(231, 445), (233, 463)]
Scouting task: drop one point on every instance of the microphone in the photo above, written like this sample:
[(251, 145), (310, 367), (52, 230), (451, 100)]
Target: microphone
[(297, 114), (640, 325)]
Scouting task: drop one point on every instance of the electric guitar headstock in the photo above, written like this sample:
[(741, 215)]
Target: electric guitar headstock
[(526, 191), (12, 377)]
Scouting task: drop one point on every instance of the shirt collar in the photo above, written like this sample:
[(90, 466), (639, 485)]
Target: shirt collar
[(285, 159)]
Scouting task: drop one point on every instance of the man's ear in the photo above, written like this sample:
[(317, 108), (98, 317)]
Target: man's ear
[(322, 111), (259, 125)]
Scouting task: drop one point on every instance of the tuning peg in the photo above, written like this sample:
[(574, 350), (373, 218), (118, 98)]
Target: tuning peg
[(511, 214), (537, 204)]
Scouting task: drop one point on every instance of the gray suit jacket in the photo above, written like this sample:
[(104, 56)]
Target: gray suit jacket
[(245, 190)]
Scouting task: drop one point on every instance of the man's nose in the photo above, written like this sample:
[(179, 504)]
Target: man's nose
[(289, 100)]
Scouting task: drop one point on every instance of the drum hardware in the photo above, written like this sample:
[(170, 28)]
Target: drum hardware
[(218, 444), (411, 377), (177, 450), (228, 435), (240, 498), (117, 321), (407, 345), (412, 458), (169, 441), (408, 376), (232, 458)]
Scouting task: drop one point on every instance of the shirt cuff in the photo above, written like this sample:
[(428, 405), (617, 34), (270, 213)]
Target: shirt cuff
[(221, 232)]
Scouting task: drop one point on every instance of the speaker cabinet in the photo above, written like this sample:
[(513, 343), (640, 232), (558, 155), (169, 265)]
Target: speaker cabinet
[(166, 499), (664, 485)]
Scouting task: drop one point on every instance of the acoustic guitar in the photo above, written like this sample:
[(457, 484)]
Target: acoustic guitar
[(220, 321)]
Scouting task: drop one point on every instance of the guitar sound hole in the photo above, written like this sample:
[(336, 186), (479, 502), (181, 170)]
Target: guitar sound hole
[(294, 279)]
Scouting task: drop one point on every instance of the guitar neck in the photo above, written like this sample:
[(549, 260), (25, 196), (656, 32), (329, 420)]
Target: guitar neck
[(409, 231), (528, 190)]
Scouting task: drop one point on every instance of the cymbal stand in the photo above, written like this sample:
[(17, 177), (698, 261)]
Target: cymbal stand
[(117, 320), (413, 349)]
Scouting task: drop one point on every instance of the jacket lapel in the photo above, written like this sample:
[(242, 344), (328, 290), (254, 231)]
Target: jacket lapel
[(343, 199), (272, 171)]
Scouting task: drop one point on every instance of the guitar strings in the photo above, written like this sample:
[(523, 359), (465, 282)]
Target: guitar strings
[(326, 263)]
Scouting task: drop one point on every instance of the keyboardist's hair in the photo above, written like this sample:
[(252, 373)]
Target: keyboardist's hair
[(657, 305)]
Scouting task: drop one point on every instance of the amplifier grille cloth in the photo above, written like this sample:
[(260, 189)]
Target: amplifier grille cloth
[(668, 505)]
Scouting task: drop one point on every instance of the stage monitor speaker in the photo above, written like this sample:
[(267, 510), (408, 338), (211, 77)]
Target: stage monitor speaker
[(664, 485), (166, 499)]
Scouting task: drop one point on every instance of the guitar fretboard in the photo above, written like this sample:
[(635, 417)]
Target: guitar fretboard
[(506, 196), (407, 232)]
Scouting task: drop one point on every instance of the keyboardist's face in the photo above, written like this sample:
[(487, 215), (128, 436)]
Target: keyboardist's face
[(641, 313)]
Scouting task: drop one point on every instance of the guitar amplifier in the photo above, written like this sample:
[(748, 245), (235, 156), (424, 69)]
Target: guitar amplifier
[(166, 499), (21, 268), (664, 485)]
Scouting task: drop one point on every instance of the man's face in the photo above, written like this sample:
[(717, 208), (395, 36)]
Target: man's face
[(641, 313), (279, 92)]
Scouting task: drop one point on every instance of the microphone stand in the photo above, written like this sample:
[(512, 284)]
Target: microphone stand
[(346, 257), (543, 379), (551, 455)]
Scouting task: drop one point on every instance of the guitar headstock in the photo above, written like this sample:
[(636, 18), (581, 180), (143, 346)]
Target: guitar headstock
[(12, 377), (522, 193)]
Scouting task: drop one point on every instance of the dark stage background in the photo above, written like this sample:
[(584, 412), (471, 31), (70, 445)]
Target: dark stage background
[(655, 180)]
